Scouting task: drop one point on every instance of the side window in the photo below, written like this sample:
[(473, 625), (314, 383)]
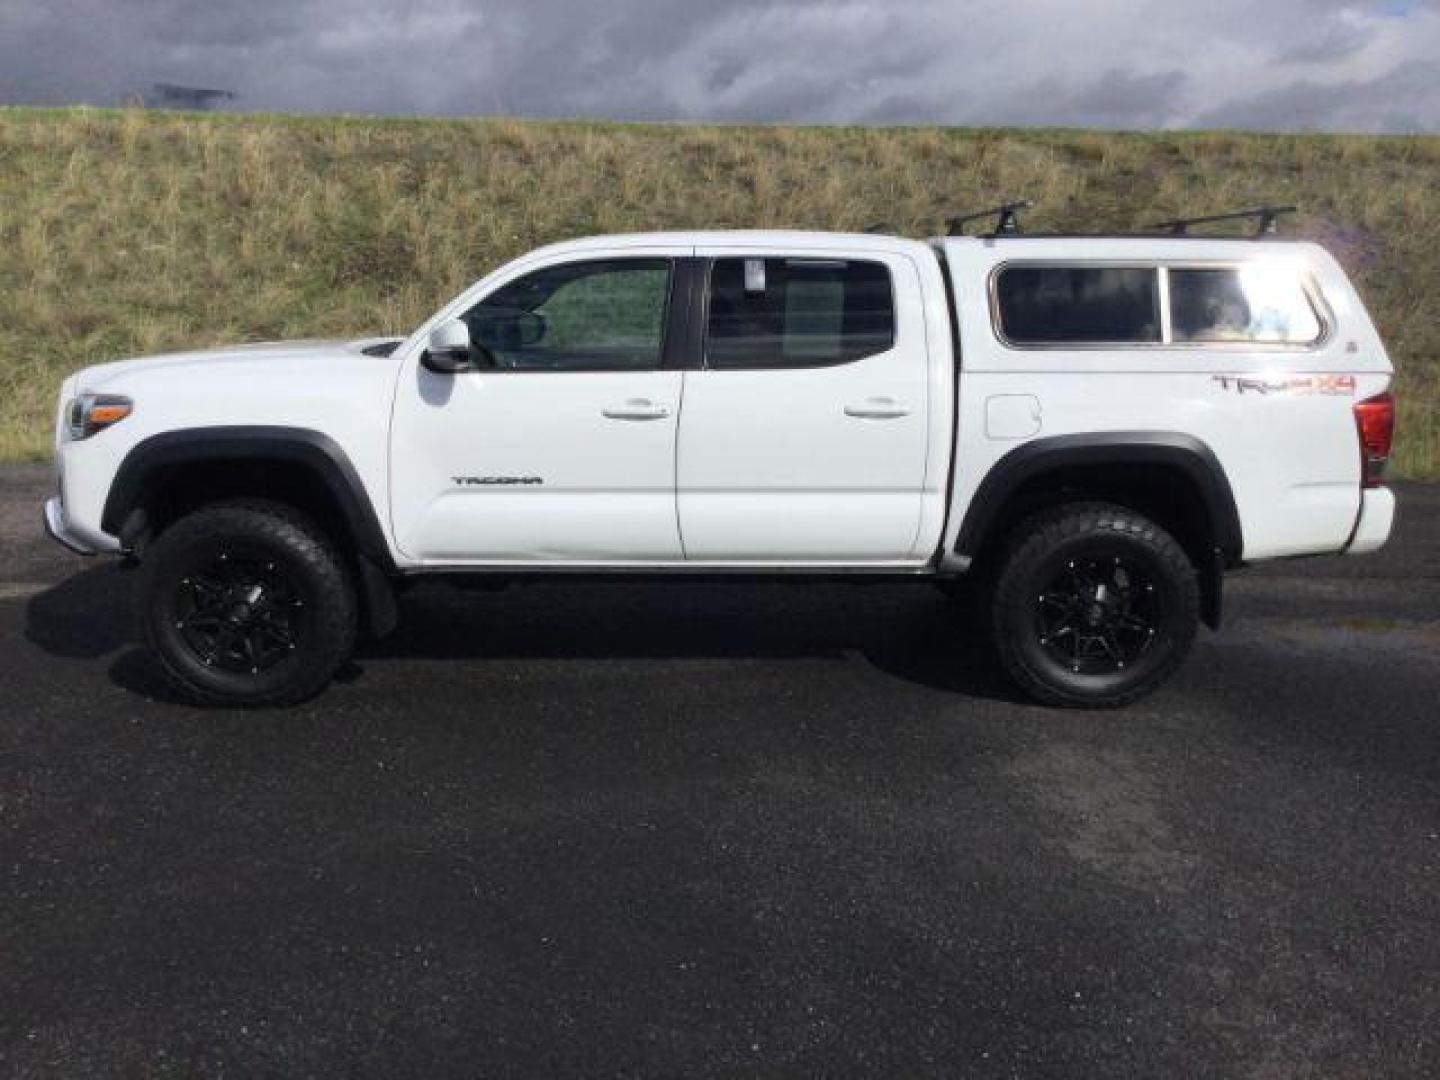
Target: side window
[(797, 313), (589, 316), (1079, 305), (1247, 303)]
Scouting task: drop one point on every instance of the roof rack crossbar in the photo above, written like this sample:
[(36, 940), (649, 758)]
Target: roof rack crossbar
[(1264, 216), (1006, 217)]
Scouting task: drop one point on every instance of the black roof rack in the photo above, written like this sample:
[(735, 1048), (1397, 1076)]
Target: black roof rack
[(1264, 216), (1006, 218)]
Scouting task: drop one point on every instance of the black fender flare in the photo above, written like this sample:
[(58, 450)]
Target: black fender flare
[(1097, 449), (123, 515)]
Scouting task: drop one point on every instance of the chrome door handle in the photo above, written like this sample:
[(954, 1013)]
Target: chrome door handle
[(878, 408), (636, 409)]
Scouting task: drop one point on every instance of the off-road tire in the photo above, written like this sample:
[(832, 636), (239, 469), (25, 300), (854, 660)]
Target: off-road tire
[(320, 586), (1045, 548)]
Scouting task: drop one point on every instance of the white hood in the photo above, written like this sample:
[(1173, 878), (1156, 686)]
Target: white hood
[(265, 357)]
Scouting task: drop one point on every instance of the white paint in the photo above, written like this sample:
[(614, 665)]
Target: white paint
[(858, 465), (818, 464), (1292, 459), (1012, 416), (1377, 515)]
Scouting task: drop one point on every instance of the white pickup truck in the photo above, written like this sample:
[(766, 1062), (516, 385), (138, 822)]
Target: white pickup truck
[(1093, 427)]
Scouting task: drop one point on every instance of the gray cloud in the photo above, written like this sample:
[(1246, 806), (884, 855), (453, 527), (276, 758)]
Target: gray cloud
[(1120, 98), (1406, 99), (1353, 64), (1334, 39)]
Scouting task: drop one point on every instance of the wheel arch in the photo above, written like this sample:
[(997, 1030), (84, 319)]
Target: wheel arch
[(1172, 477), (167, 474)]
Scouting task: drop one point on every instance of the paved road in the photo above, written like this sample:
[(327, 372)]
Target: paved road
[(599, 829)]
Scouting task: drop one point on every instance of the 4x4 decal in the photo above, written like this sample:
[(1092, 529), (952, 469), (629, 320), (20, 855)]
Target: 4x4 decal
[(1343, 385)]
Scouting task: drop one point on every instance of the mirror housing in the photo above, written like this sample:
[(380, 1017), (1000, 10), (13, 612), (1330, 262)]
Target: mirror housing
[(447, 351), (532, 327)]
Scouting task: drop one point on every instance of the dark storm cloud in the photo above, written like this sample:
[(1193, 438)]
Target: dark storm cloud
[(1116, 63)]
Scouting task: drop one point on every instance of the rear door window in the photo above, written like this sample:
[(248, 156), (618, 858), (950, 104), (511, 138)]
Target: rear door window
[(797, 313)]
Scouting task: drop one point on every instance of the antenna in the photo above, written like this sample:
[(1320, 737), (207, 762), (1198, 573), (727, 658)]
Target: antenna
[(1006, 218), (1265, 218)]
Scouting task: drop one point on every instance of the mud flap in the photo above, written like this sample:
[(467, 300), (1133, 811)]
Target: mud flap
[(1212, 582), (381, 611)]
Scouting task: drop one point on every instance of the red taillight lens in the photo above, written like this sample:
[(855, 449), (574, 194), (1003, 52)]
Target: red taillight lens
[(1375, 421)]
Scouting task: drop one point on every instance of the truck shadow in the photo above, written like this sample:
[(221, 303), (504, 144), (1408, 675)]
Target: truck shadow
[(907, 631), (85, 616)]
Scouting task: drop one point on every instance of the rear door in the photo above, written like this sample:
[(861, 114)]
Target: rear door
[(805, 434)]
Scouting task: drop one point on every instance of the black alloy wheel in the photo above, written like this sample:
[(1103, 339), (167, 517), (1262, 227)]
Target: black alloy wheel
[(247, 603), (240, 612), (1097, 615)]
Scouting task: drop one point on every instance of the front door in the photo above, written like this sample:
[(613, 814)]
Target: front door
[(562, 447), (806, 433)]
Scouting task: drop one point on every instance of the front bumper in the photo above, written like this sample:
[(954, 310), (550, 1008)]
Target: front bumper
[(1377, 516), (59, 529)]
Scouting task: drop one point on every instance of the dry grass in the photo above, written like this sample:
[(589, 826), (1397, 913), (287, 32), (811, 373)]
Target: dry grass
[(128, 232)]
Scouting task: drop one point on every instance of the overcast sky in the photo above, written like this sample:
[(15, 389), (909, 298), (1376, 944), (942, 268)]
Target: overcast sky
[(1278, 64)]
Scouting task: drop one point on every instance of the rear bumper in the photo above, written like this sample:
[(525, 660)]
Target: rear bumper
[(59, 530), (1377, 516)]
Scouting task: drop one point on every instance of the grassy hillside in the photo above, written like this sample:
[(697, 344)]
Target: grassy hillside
[(128, 232)]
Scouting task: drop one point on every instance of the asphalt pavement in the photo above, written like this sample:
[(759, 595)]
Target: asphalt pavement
[(595, 829)]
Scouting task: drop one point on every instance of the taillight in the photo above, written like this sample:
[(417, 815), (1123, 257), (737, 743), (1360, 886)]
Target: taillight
[(1375, 421)]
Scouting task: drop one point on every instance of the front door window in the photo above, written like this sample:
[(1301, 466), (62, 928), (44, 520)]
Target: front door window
[(589, 316)]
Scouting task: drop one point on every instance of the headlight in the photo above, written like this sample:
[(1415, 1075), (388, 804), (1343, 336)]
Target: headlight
[(90, 413)]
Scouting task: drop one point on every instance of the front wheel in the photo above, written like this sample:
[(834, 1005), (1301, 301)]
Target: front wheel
[(247, 603), (1094, 606)]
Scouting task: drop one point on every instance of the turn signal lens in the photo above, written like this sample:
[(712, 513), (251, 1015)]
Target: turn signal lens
[(1375, 422), (90, 413)]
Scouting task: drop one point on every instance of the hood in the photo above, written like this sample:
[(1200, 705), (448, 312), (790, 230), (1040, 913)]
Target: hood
[(278, 355)]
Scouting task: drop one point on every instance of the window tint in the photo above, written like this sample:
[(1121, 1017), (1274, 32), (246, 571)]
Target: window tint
[(591, 316), (1058, 305), (795, 313), (1247, 303)]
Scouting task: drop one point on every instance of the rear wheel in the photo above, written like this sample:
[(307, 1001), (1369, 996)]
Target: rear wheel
[(1094, 606), (247, 603)]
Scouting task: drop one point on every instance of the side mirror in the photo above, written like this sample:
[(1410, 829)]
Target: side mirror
[(532, 327), (447, 352)]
